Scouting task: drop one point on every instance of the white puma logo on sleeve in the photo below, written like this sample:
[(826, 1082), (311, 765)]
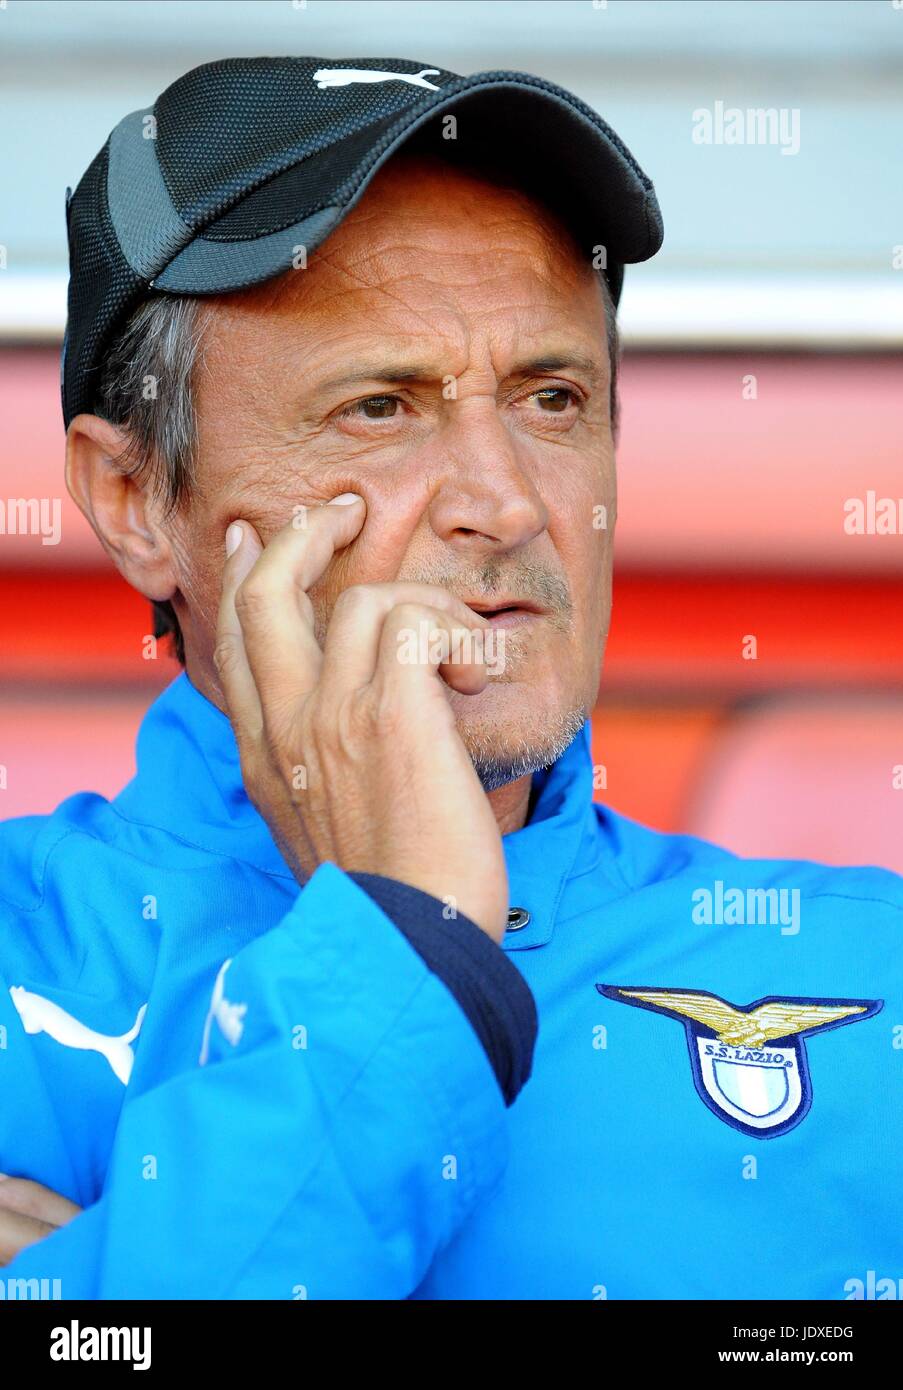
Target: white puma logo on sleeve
[(343, 77), (40, 1015)]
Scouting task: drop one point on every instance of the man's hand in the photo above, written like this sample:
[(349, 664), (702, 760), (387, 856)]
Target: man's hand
[(350, 754), (28, 1212)]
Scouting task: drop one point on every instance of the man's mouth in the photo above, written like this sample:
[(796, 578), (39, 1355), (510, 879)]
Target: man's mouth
[(508, 612)]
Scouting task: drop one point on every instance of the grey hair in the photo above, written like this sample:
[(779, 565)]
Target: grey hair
[(147, 388)]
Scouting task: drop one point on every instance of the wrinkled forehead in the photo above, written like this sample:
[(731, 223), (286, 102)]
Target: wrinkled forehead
[(442, 226)]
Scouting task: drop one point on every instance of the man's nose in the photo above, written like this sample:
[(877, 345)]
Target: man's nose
[(487, 499)]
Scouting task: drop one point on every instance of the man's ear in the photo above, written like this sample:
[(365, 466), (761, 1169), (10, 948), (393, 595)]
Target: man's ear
[(121, 510)]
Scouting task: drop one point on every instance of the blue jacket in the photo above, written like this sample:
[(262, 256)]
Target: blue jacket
[(258, 1090)]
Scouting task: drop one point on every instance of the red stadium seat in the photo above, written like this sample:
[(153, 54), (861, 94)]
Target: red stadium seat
[(807, 777), (64, 742)]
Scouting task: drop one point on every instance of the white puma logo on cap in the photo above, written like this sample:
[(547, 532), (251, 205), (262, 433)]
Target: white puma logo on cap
[(343, 77), (40, 1015)]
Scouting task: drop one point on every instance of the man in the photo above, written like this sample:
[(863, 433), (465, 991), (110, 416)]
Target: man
[(339, 387)]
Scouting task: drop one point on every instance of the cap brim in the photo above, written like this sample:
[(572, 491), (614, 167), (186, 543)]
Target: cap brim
[(528, 131)]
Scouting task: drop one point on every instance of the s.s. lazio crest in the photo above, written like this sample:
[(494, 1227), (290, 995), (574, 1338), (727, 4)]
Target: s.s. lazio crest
[(749, 1062)]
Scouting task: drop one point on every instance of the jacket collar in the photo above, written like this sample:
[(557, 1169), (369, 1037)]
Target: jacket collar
[(557, 841), (189, 784)]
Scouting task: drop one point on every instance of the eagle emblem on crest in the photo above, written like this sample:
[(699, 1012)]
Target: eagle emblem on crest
[(749, 1062)]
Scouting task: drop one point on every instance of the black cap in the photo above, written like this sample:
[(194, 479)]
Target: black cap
[(242, 161)]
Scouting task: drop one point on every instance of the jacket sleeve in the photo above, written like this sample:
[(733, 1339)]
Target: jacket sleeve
[(346, 1122)]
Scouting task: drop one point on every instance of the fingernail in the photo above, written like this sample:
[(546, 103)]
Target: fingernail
[(345, 499), (233, 539)]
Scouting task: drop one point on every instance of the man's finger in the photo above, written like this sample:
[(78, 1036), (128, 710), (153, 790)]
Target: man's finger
[(356, 626), (34, 1200), (18, 1231), (243, 548), (273, 609), (418, 641)]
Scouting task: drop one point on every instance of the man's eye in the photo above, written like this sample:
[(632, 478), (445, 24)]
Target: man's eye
[(376, 407), (554, 398)]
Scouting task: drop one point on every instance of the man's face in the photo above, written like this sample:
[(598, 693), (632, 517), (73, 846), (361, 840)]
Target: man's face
[(444, 356)]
